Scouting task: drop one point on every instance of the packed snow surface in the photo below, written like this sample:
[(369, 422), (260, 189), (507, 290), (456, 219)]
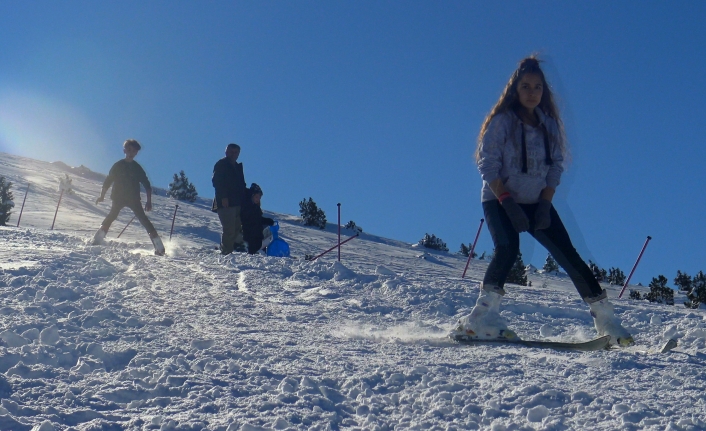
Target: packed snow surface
[(112, 337)]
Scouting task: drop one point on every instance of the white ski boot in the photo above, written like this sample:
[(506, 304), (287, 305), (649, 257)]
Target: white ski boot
[(608, 324), (158, 245), (484, 322), (99, 237)]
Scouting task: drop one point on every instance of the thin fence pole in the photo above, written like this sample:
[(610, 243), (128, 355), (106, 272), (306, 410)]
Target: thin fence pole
[(337, 245), (470, 254), (57, 210), (173, 219), (633, 268), (23, 206), (128, 224), (339, 231)]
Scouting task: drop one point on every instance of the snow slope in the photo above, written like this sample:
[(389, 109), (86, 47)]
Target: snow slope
[(114, 338)]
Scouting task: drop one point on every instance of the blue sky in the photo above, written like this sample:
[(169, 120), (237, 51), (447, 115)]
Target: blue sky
[(377, 105)]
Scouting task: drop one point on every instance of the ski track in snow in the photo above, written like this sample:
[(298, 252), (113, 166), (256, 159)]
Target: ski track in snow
[(114, 338)]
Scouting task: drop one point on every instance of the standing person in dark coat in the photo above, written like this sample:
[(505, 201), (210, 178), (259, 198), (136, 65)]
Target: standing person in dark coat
[(229, 182), (125, 176), (255, 231)]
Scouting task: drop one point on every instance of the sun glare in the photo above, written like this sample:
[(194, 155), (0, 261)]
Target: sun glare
[(35, 126)]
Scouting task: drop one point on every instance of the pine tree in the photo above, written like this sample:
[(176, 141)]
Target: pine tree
[(683, 281), (352, 226), (464, 250), (598, 272), (634, 294), (311, 214), (482, 256), (6, 202), (431, 241), (697, 295), (659, 292), (66, 185), (550, 264), (616, 276), (182, 189), (517, 273)]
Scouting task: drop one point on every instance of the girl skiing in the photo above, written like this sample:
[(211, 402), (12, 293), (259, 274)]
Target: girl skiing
[(520, 154)]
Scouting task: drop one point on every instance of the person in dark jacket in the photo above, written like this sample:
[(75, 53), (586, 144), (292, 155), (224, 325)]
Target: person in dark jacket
[(255, 231), (229, 182), (126, 176)]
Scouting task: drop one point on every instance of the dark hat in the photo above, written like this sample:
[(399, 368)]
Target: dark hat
[(255, 189)]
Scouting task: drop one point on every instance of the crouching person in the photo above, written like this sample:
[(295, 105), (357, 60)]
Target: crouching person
[(256, 233), (125, 176)]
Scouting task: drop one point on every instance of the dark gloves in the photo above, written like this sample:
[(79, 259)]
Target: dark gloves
[(268, 221), (518, 218), (542, 220)]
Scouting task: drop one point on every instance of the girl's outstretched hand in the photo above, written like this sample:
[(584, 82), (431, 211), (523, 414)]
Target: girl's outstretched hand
[(518, 218), (542, 220)]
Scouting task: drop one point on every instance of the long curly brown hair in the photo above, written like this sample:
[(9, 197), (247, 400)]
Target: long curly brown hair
[(509, 101)]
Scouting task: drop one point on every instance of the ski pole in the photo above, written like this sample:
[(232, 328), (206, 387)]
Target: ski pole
[(470, 254), (57, 210), (23, 206), (173, 218), (339, 231), (128, 224), (635, 266), (337, 245)]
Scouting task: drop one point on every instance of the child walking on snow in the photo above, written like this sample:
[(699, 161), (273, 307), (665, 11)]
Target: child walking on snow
[(520, 155), (126, 176)]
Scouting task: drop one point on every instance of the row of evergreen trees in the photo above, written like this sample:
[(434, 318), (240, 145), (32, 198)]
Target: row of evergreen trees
[(312, 215), (659, 292), (433, 242), (694, 288)]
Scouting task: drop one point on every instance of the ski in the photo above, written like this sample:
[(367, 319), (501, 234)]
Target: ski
[(599, 343)]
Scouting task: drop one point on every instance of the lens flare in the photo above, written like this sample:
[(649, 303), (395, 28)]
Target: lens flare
[(42, 128)]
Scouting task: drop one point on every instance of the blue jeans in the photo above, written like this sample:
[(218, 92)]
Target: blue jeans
[(555, 239)]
